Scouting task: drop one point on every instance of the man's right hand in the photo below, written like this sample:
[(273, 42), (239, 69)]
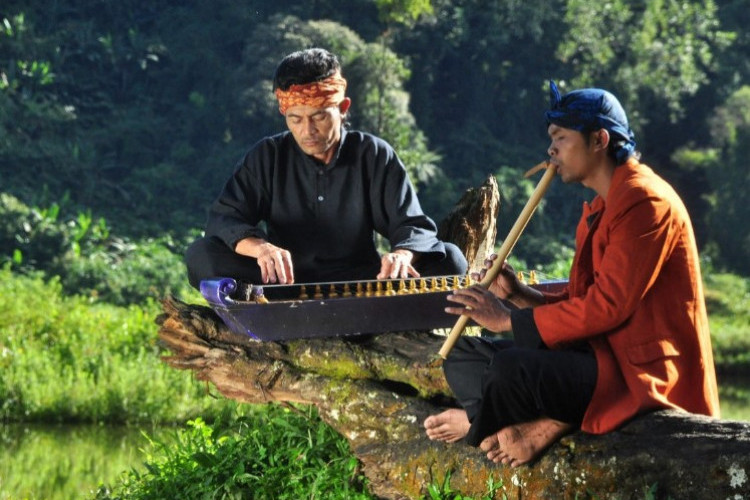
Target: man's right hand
[(275, 263), (508, 287)]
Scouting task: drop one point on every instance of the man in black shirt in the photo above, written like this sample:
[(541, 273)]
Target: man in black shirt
[(303, 205)]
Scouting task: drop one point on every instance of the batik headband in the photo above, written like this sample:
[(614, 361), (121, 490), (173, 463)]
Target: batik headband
[(321, 94), (592, 109)]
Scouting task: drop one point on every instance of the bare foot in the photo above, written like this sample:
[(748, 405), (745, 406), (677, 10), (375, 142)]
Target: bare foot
[(450, 426), (521, 443)]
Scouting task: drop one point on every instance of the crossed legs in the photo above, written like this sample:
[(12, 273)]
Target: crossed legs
[(516, 402)]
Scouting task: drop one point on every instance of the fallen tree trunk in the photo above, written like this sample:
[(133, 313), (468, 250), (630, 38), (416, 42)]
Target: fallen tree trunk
[(377, 390)]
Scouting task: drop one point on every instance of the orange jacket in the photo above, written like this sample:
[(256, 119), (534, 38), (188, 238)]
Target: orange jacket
[(635, 294)]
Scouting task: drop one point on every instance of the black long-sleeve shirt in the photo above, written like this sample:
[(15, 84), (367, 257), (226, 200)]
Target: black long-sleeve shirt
[(324, 215)]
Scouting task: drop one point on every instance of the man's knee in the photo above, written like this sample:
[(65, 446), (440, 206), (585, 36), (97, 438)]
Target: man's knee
[(509, 371), (194, 256), (453, 263), (467, 362), (452, 365), (463, 351), (455, 260), (199, 259)]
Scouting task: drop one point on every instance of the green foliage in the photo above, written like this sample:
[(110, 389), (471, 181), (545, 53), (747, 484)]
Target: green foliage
[(724, 164), (664, 48), (68, 359), (86, 258), (729, 178), (403, 11), (444, 491), (728, 303), (31, 238), (128, 273), (279, 453), (734, 396)]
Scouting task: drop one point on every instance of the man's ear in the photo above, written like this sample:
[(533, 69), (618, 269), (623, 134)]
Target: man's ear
[(344, 105), (601, 139)]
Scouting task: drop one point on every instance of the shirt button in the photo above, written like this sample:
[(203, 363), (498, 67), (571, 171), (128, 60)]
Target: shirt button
[(320, 198), (320, 172)]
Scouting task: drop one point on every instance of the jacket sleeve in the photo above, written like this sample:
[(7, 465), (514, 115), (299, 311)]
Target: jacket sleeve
[(397, 213), (635, 242), (244, 202)]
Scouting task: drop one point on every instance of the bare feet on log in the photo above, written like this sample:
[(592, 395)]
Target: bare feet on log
[(521, 443), (450, 426)]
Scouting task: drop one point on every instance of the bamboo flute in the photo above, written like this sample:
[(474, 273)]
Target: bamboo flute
[(506, 247)]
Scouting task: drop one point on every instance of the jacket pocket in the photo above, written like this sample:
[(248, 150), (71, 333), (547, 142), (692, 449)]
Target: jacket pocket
[(651, 351)]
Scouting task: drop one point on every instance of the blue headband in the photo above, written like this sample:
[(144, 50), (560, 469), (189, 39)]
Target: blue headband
[(592, 109)]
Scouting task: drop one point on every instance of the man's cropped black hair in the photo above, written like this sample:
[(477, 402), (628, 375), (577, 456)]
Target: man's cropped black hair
[(305, 66)]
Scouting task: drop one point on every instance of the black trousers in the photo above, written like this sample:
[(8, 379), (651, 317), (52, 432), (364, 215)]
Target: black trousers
[(210, 258), (499, 384)]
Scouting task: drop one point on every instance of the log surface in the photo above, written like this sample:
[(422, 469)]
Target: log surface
[(377, 390)]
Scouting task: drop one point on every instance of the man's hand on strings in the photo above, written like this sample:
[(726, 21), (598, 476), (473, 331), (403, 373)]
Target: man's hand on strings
[(275, 264), (397, 264), (482, 306)]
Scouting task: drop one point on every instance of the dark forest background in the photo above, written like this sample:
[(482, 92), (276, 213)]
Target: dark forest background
[(121, 120)]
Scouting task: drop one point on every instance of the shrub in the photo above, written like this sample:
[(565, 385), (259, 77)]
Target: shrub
[(87, 259), (279, 453)]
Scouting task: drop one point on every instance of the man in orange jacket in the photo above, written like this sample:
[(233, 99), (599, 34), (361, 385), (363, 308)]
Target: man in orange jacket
[(627, 336)]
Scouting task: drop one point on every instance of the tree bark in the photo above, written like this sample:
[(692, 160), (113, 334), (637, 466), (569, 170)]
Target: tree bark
[(472, 224), (376, 391)]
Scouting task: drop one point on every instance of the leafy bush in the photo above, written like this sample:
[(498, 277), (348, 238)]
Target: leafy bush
[(30, 238), (127, 273), (87, 259), (279, 453)]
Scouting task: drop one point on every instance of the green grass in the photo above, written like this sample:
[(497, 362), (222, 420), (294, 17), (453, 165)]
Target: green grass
[(72, 359), (728, 303), (278, 453)]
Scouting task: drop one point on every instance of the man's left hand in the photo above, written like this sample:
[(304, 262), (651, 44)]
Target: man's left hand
[(482, 306), (397, 264)]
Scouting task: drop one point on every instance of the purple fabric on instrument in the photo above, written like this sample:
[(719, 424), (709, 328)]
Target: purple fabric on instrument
[(592, 109)]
